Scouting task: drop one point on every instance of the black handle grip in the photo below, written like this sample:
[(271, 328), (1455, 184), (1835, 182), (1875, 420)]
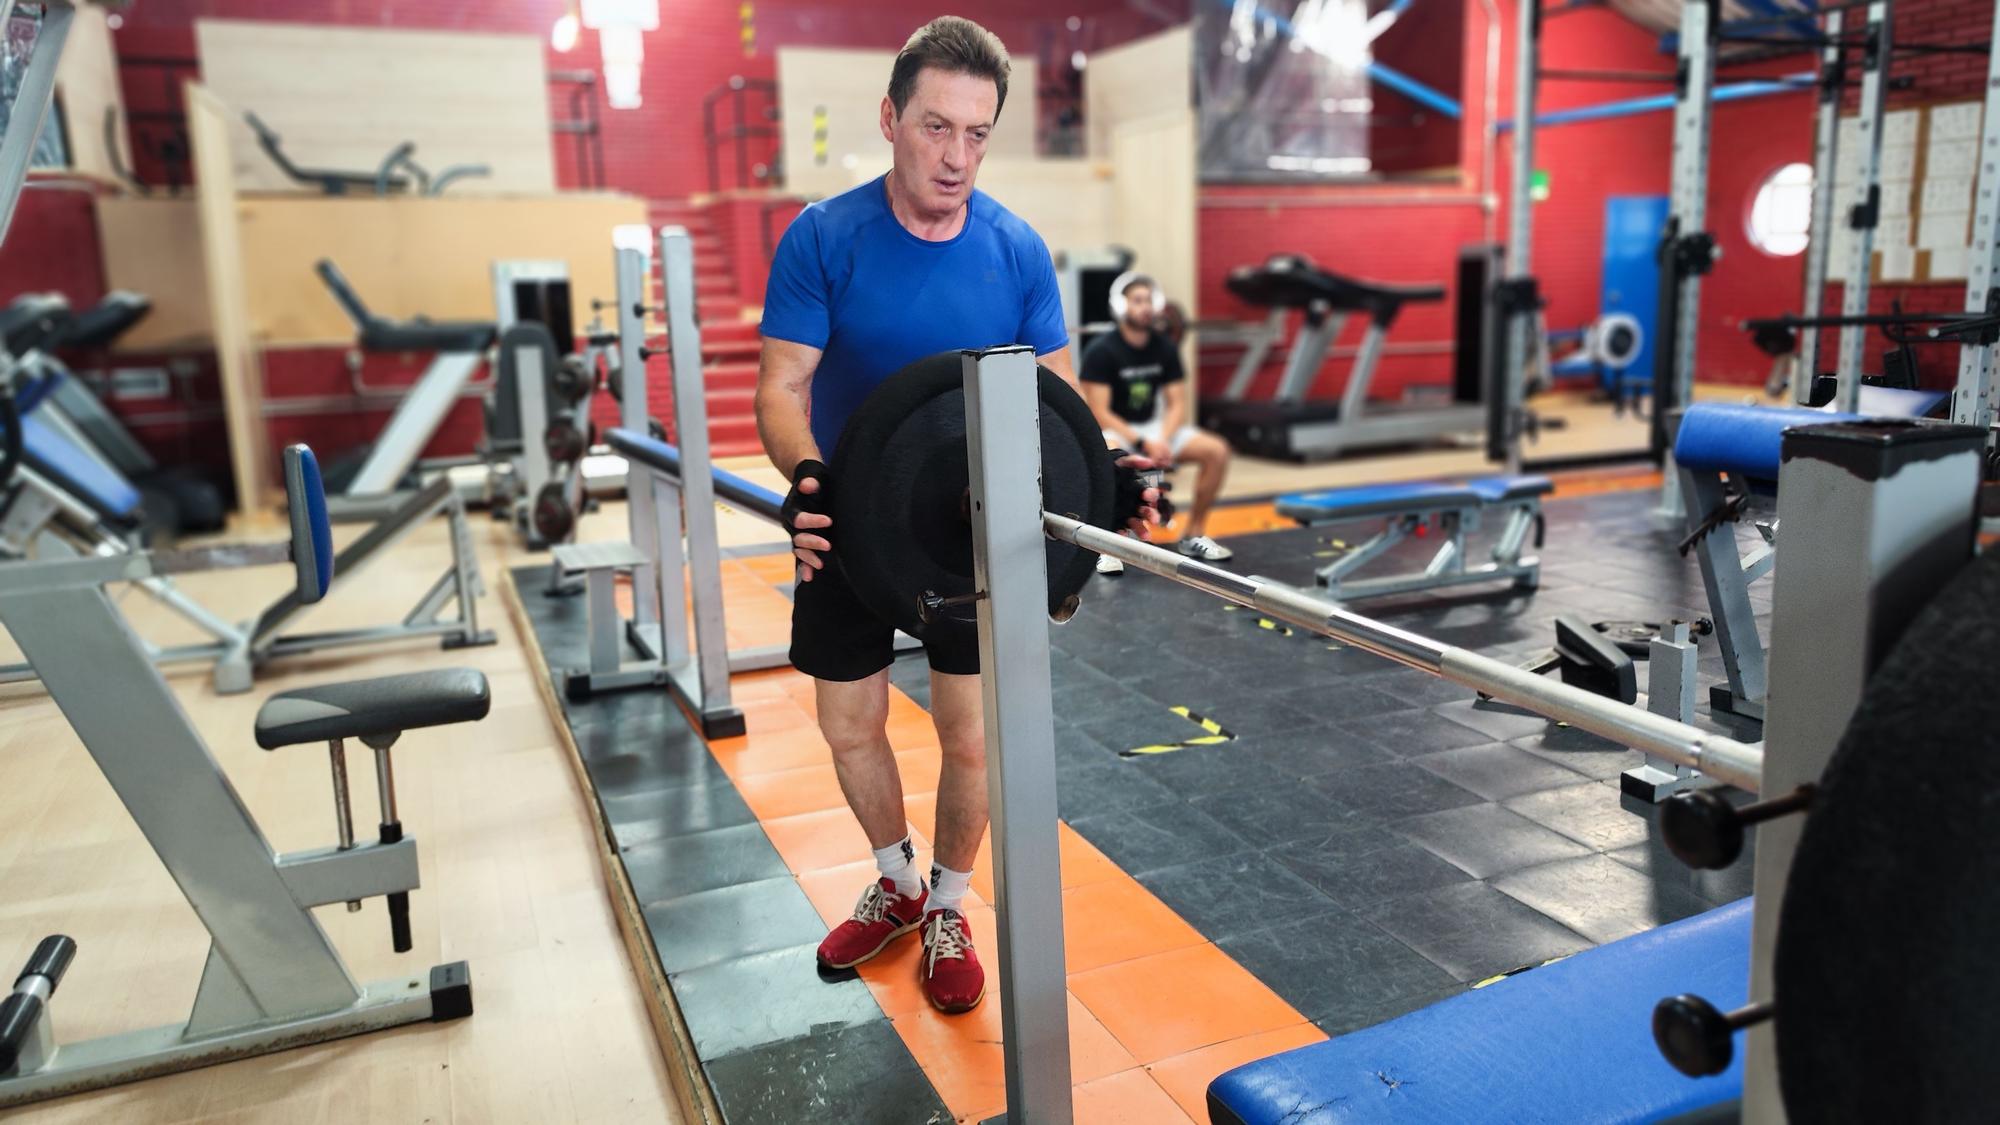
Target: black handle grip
[(18, 1013), (399, 901), (51, 959)]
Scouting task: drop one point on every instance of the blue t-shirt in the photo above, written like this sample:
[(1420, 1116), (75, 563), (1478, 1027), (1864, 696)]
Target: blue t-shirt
[(849, 280)]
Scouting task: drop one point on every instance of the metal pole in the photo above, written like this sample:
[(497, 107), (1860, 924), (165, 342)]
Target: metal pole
[(1826, 159), (1521, 317), (1972, 401), (1725, 759), (634, 411), (1692, 109), (1010, 565), (711, 645), (1865, 206)]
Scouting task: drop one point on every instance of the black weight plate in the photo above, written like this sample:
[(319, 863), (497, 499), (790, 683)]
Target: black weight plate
[(899, 492), (1888, 1008)]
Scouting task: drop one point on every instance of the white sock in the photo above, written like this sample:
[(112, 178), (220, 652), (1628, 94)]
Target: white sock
[(898, 861), (948, 888)]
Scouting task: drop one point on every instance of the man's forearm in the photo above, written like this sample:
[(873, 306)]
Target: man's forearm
[(785, 429)]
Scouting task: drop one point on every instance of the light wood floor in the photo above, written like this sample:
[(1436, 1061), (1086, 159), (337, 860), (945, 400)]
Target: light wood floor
[(511, 883)]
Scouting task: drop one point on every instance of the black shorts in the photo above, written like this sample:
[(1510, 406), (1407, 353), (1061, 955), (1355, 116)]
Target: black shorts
[(835, 637)]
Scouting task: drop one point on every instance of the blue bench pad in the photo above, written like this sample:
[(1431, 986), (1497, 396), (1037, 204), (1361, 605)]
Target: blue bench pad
[(1571, 1041), (74, 471), (1398, 497)]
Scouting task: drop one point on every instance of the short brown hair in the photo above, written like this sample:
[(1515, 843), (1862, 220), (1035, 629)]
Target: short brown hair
[(954, 45)]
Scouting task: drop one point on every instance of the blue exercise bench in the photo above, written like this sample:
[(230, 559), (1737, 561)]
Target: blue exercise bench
[(1726, 454), (1415, 508), (1568, 1041)]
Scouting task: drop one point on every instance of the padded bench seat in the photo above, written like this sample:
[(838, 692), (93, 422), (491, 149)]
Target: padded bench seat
[(1571, 1041), (359, 708), (1407, 497), (77, 473)]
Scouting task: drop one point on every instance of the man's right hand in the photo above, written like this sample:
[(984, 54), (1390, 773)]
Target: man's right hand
[(805, 517)]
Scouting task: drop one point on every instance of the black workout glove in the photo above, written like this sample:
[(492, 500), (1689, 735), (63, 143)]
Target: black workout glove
[(796, 502), (1132, 485)]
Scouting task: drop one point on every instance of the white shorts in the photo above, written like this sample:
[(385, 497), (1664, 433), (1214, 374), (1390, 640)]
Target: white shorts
[(1150, 431)]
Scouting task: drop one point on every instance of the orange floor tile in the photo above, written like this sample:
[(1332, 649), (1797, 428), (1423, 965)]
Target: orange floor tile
[(1185, 1077), (1174, 1002)]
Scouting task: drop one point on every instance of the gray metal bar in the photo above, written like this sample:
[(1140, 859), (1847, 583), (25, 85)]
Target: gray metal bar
[(1257, 350), (711, 642), (1693, 107), (1521, 327), (1725, 759), (31, 101), (1354, 396), (635, 412), (1308, 352), (180, 798), (1009, 562), (1972, 400), (1826, 159), (1865, 203), (325, 876), (1728, 588), (414, 423)]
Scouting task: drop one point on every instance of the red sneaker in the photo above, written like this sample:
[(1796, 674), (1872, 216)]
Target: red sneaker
[(880, 917), (950, 970)]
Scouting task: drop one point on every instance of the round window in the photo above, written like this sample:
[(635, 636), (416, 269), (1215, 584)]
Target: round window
[(1781, 213)]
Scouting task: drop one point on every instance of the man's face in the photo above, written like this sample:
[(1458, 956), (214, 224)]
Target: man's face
[(940, 138), (1139, 306)]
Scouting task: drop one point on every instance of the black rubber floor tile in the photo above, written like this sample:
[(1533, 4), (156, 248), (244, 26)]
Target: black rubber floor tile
[(1364, 867), (1314, 750), (1138, 721), (641, 818), (1266, 817), (1359, 1017), (1341, 700), (709, 927), (858, 1073), (1392, 790), (1092, 785), (1409, 733), (1497, 771), (768, 998), (1486, 840), (1593, 814), (1339, 968), (1144, 840), (1652, 859), (1227, 895), (1474, 932), (1199, 771), (1419, 689), (1600, 898), (1497, 721), (703, 861), (1580, 752), (652, 753)]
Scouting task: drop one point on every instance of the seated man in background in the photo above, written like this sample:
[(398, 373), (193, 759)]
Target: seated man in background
[(1134, 383)]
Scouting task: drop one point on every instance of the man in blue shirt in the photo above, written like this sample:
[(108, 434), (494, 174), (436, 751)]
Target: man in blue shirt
[(905, 266)]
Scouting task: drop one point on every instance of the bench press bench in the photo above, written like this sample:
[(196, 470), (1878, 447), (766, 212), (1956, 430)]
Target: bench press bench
[(1413, 508), (1568, 1041)]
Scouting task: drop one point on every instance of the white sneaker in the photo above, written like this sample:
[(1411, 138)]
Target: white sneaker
[(1203, 548), (1109, 565)]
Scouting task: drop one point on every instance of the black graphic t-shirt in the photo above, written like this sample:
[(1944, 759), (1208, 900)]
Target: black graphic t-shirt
[(1136, 376)]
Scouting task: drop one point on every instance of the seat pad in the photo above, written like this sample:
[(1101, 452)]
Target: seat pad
[(385, 705)]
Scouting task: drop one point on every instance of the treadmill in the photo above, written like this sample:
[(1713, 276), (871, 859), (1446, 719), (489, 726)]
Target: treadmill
[(1292, 426)]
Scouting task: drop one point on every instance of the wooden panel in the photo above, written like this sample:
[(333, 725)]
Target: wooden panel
[(342, 98), (154, 246), (841, 91), (222, 253), (1154, 199), (1068, 202), (407, 257), (87, 86), (1143, 78)]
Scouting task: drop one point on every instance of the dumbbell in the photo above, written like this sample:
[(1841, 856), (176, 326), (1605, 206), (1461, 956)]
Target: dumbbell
[(564, 443), (554, 519), (573, 379)]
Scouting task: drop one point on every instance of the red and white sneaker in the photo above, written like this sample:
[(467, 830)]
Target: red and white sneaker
[(949, 969), (880, 917)]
